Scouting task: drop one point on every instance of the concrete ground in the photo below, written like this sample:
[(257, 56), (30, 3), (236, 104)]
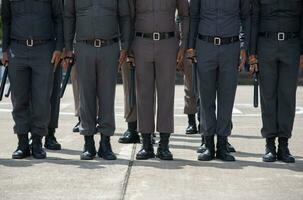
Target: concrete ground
[(64, 176)]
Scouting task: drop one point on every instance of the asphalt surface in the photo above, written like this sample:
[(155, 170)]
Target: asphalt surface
[(64, 176)]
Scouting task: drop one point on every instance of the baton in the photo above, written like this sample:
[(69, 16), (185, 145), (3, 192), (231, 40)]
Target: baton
[(3, 81), (194, 77), (132, 86), (256, 89), (66, 78)]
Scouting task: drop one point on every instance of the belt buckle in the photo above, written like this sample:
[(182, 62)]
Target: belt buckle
[(217, 41), (30, 43), (156, 36), (97, 43), (281, 36)]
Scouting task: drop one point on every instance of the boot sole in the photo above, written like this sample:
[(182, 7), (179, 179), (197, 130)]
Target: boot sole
[(20, 157), (82, 158), (269, 161), (285, 161), (191, 133), (105, 158), (39, 157), (53, 149), (163, 158), (145, 158)]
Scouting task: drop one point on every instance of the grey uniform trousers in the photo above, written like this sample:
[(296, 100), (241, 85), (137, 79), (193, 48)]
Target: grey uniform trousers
[(31, 76), (97, 71), (217, 70), (55, 99), (155, 73), (279, 65), (190, 106), (130, 114)]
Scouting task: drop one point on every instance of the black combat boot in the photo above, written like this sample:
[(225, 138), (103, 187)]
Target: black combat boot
[(23, 149), (51, 141), (89, 151), (283, 151), (222, 152), (105, 149), (209, 152), (192, 127), (37, 150), (202, 147), (270, 150), (76, 128), (131, 135), (147, 150), (163, 150)]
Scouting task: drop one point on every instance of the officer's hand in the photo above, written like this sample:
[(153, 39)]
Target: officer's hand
[(122, 58), (243, 58), (191, 55), (68, 59), (301, 61), (56, 58), (5, 59), (253, 64), (180, 59)]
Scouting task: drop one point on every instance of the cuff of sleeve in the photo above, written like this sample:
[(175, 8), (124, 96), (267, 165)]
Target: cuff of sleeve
[(59, 47), (69, 47), (192, 44), (125, 46)]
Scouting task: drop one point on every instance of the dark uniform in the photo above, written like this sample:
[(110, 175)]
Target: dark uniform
[(155, 50), (277, 41), (96, 25), (32, 31), (214, 33)]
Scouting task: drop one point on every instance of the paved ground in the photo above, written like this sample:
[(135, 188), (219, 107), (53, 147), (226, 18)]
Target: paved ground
[(64, 176)]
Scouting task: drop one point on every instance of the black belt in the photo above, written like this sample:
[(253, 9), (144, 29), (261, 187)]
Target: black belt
[(217, 41), (280, 36), (32, 42), (156, 35), (98, 43)]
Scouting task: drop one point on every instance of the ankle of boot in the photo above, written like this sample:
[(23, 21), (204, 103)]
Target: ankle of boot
[(132, 126), (191, 119), (283, 142)]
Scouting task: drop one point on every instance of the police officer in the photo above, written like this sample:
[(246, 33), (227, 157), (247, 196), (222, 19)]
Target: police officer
[(214, 34), (277, 43), (32, 45), (96, 25), (130, 111), (156, 51)]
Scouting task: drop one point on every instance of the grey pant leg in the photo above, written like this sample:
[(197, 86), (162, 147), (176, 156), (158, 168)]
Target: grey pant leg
[(268, 62), (287, 86), (86, 69), (55, 99), (41, 87), (165, 73), (74, 80), (207, 55), (107, 68), (20, 80), (145, 79), (190, 106), (227, 84), (130, 114)]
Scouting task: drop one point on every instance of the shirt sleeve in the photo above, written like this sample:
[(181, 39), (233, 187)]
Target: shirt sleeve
[(254, 26), (69, 24), (245, 17), (57, 14), (6, 28), (194, 8), (183, 17), (124, 23)]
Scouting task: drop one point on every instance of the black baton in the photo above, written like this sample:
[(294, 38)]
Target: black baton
[(132, 86), (256, 89), (3, 81), (66, 78), (195, 77)]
